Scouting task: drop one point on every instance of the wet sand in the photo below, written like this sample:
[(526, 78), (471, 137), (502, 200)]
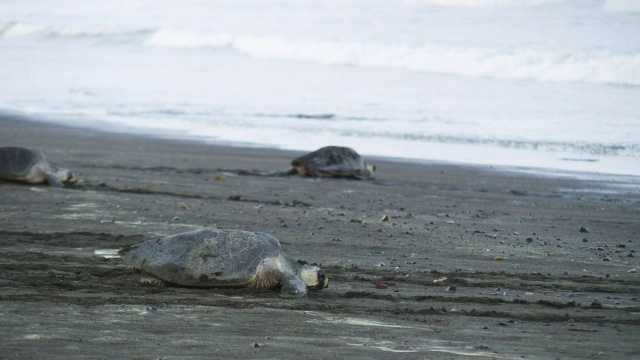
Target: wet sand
[(472, 262)]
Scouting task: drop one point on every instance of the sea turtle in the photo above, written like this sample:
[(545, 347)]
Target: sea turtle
[(31, 166), (333, 161), (224, 258)]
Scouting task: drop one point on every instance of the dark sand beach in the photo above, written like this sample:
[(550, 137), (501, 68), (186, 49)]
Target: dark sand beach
[(472, 262)]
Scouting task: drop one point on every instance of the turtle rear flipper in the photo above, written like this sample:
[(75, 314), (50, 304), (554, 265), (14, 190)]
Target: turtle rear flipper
[(292, 287), (278, 173)]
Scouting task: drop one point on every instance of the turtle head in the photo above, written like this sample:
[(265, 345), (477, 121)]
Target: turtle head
[(314, 277), (369, 169), (66, 176)]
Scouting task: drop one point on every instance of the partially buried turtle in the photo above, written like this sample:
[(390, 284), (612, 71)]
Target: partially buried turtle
[(224, 258), (333, 161), (31, 166)]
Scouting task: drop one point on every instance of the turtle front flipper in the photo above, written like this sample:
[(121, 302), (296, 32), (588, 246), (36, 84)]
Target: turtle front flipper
[(52, 179), (292, 287)]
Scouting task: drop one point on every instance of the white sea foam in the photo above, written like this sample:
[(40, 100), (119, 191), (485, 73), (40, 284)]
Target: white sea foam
[(188, 39), (586, 66), (589, 66), (622, 5), (19, 29), (480, 3)]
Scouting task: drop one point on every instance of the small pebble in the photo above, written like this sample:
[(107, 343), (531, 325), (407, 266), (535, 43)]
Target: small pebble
[(151, 308), (583, 229), (451, 288), (256, 345), (606, 258)]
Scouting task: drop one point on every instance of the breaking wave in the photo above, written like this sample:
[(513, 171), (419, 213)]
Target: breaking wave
[(600, 67), (588, 66), (480, 3), (17, 30)]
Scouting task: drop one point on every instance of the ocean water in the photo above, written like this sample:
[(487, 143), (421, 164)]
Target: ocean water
[(549, 84)]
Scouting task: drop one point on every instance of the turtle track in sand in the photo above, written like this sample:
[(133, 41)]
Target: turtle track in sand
[(73, 274)]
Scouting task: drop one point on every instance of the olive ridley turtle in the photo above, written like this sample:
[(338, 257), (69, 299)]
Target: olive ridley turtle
[(224, 258), (333, 161), (31, 166)]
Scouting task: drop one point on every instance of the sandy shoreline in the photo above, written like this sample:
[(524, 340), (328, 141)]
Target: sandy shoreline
[(556, 292)]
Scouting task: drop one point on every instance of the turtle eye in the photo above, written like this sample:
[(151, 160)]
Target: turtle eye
[(322, 278)]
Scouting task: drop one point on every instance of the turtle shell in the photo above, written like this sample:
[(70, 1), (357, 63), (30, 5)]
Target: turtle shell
[(206, 258), (331, 161), (16, 162)]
